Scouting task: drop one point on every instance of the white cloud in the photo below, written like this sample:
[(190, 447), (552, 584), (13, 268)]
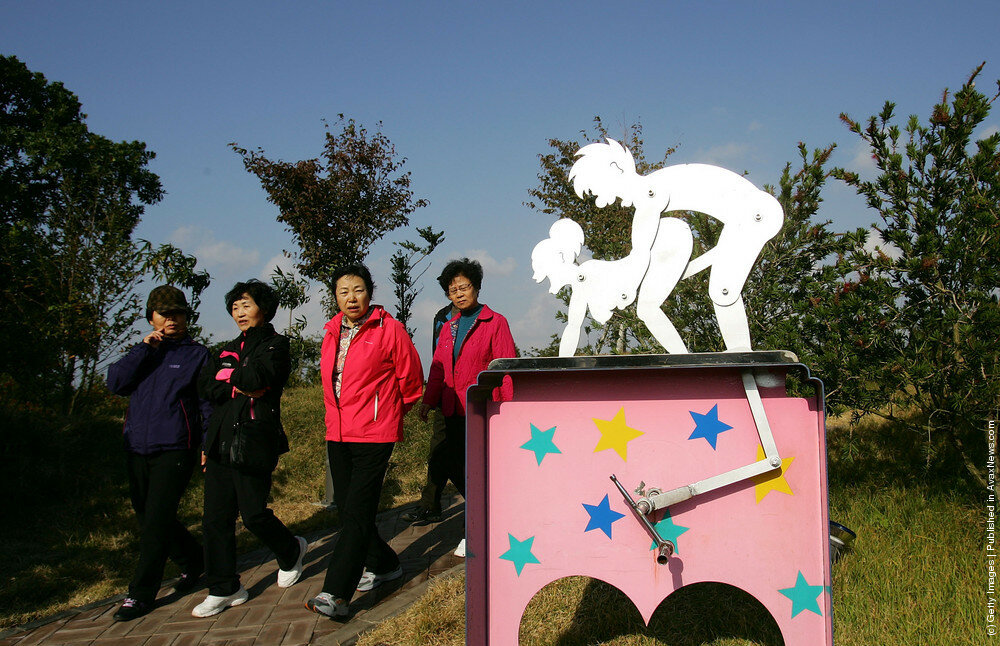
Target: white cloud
[(754, 126), (535, 325), (286, 264), (987, 131), (874, 242), (862, 162), (492, 266), (217, 256), (723, 154)]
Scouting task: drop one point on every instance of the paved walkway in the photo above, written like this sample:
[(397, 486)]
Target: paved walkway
[(272, 616)]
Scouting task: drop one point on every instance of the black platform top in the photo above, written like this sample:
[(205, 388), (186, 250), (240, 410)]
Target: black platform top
[(608, 362)]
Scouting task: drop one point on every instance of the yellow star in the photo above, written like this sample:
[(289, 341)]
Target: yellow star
[(773, 480), (615, 434)]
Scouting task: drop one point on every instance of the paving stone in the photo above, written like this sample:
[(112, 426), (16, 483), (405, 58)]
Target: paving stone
[(132, 641), (299, 632), (257, 615), (66, 634), (230, 618), (271, 634), (189, 639), (238, 632)]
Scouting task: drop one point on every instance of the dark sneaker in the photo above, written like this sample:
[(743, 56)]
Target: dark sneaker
[(132, 609), (324, 604), (421, 516), (187, 582)]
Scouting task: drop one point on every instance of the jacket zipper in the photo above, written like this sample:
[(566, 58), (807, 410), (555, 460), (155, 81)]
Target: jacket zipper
[(187, 422), (376, 407)]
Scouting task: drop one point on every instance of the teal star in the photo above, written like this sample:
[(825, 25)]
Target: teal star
[(804, 596), (541, 442), (519, 553), (669, 530), (708, 425)]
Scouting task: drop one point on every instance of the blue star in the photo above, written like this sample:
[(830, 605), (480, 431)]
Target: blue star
[(601, 516), (804, 596), (708, 426), (669, 530), (519, 553), (541, 442)]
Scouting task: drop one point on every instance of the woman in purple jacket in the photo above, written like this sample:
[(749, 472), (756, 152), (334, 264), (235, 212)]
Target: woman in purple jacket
[(163, 428)]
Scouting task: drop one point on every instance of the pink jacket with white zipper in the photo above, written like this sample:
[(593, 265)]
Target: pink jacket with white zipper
[(382, 380), (489, 338)]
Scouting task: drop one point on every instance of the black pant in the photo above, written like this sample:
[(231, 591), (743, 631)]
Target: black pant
[(358, 470), (446, 461), (229, 491), (156, 484)]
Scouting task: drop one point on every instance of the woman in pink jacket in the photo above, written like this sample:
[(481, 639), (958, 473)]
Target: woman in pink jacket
[(466, 345), (371, 376)]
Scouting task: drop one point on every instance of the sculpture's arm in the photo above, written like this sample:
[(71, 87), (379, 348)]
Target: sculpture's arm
[(701, 263), (571, 335), (644, 224)]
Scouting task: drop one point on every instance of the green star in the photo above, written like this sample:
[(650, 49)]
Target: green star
[(669, 530), (541, 442), (804, 596), (519, 553)]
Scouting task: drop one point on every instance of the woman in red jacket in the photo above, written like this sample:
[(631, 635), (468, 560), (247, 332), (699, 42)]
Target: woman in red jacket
[(466, 345), (371, 376)]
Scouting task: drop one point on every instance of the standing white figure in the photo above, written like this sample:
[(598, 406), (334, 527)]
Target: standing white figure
[(750, 217), (604, 285)]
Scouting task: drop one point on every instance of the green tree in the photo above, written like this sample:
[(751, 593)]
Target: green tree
[(70, 200), (919, 311), (293, 292), (405, 261), (336, 206)]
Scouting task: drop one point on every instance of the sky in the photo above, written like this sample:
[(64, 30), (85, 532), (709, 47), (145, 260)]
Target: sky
[(470, 93)]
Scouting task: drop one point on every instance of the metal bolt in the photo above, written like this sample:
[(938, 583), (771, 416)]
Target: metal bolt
[(652, 193), (757, 217), (581, 277), (775, 462), (724, 291)]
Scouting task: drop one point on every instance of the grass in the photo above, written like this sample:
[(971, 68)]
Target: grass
[(915, 576), (67, 528)]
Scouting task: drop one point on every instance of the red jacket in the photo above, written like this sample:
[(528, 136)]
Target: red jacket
[(489, 338), (382, 380)]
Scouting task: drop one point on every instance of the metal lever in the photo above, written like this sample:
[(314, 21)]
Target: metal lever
[(664, 548)]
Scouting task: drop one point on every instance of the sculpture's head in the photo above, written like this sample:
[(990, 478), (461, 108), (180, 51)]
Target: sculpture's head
[(555, 257), (606, 170)]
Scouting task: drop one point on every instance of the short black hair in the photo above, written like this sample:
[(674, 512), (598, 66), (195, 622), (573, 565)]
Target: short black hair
[(261, 293), (354, 269), (467, 267)]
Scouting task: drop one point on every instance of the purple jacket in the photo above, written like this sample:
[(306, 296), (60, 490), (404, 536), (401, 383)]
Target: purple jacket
[(164, 410)]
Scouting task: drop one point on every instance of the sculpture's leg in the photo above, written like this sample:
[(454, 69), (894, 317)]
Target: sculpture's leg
[(733, 325), (668, 257)]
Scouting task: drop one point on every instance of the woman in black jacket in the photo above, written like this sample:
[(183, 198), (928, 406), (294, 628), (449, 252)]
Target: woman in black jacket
[(244, 381)]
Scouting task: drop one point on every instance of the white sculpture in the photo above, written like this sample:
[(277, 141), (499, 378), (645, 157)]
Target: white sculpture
[(661, 246)]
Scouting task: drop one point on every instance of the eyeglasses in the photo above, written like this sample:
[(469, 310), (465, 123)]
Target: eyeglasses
[(459, 289)]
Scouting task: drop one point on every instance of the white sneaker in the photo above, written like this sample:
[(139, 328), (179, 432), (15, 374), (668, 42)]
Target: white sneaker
[(324, 604), (460, 550), (287, 578), (371, 580), (213, 605)]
